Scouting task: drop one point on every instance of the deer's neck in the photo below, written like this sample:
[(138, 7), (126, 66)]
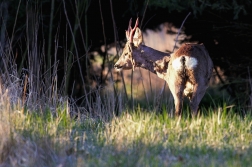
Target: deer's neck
[(151, 59)]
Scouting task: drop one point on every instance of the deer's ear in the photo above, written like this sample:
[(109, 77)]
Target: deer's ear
[(138, 38)]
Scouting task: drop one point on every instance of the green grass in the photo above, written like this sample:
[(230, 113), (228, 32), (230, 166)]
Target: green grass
[(137, 138)]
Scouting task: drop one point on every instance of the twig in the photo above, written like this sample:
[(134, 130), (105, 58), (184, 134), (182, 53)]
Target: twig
[(114, 28), (105, 56), (82, 78), (140, 68), (115, 39), (144, 13), (12, 35), (85, 42), (250, 84), (148, 20), (50, 36), (162, 90), (176, 40)]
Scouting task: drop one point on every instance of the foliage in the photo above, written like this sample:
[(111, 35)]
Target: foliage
[(199, 6)]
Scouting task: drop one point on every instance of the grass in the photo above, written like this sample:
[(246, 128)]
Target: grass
[(37, 130), (139, 138)]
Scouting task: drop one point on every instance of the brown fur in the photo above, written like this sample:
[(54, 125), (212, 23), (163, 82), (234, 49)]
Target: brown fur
[(187, 71), (185, 49)]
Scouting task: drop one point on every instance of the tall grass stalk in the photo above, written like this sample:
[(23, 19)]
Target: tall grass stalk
[(117, 55), (76, 52)]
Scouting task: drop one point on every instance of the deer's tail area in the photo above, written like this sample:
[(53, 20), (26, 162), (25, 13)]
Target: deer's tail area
[(182, 71), (184, 62)]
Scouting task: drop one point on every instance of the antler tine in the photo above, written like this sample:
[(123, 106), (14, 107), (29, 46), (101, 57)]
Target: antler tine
[(136, 24), (129, 27), (130, 32)]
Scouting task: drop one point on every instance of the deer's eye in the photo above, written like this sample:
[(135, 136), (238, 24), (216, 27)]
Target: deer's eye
[(125, 54)]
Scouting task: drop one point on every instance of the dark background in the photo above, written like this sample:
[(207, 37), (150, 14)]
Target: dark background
[(225, 28)]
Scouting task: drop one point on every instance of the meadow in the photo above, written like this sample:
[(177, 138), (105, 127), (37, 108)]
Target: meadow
[(217, 137), (41, 124)]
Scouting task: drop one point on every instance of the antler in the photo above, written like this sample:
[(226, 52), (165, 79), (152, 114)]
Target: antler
[(130, 32)]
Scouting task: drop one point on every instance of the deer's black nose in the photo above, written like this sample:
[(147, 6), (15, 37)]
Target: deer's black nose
[(117, 66)]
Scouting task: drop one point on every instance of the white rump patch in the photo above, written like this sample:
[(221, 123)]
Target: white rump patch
[(176, 64), (190, 63)]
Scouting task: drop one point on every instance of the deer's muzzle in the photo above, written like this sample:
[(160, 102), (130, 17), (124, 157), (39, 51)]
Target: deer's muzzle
[(118, 67)]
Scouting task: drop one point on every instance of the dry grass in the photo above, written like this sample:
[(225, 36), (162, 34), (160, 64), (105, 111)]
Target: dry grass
[(140, 138)]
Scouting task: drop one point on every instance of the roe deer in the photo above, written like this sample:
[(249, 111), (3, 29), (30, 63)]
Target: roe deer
[(187, 71)]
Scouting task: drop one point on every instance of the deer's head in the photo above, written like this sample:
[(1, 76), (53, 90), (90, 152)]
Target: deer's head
[(134, 40)]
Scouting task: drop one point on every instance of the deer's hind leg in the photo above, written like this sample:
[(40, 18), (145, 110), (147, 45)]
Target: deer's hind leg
[(177, 93), (197, 95)]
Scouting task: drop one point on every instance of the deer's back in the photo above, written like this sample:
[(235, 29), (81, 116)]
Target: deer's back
[(191, 62)]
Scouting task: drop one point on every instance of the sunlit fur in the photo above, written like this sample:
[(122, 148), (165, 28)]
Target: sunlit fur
[(187, 71)]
